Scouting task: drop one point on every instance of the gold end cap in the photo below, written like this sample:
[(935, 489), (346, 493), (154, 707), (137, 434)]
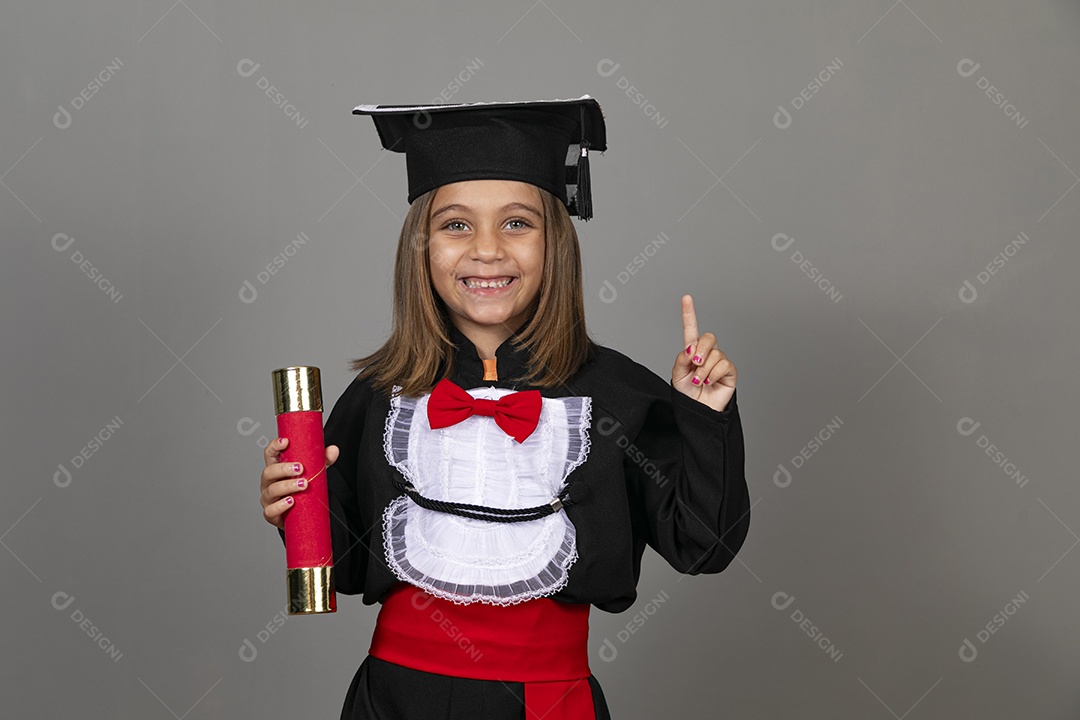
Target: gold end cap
[(297, 388), (311, 590)]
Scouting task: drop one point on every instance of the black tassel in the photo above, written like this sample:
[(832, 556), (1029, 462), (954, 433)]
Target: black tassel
[(583, 196)]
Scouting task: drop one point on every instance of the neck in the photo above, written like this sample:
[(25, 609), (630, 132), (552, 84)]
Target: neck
[(486, 338)]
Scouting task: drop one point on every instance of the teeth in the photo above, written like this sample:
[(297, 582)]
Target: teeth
[(487, 283)]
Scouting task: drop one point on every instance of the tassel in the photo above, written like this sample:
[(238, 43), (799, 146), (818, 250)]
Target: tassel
[(583, 196)]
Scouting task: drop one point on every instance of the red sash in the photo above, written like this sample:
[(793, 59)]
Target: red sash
[(542, 643)]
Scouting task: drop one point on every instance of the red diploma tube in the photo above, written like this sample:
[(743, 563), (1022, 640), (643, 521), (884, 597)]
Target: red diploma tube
[(309, 554)]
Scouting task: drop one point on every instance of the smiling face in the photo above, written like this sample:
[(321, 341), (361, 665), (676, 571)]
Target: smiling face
[(486, 252)]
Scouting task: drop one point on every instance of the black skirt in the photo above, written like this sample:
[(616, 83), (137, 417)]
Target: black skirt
[(382, 690)]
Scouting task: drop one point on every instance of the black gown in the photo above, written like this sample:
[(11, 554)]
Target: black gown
[(661, 469)]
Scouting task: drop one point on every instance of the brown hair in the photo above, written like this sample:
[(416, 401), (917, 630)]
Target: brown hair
[(419, 351)]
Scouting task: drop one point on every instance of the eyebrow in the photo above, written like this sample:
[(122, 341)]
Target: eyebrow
[(457, 207)]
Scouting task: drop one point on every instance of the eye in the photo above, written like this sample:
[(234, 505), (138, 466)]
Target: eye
[(518, 224), (455, 226)]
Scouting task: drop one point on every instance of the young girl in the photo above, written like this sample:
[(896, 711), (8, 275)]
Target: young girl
[(492, 472)]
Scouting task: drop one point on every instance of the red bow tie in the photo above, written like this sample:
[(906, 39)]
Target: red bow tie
[(517, 413)]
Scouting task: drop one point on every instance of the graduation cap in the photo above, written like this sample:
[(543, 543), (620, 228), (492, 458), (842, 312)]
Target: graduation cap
[(544, 143)]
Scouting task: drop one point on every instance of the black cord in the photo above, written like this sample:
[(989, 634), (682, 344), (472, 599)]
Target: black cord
[(481, 512)]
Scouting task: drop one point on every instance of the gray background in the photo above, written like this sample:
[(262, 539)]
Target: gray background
[(141, 580)]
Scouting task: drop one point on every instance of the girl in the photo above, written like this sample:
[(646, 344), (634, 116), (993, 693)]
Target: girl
[(492, 472)]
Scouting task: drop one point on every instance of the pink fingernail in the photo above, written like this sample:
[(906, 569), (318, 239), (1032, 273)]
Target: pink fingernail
[(697, 359), (688, 349), (301, 483), (296, 467), (288, 501), (696, 381), (706, 381)]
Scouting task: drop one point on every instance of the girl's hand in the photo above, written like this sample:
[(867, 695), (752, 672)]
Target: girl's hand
[(280, 480), (701, 370)]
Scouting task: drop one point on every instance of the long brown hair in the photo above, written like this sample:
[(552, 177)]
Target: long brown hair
[(419, 351)]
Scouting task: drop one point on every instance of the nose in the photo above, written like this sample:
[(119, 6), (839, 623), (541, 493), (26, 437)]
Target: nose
[(487, 243)]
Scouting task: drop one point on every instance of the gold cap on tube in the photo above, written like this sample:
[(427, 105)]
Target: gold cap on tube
[(297, 389), (311, 590)]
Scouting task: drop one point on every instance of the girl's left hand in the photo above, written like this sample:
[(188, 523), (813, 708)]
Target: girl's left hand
[(701, 370)]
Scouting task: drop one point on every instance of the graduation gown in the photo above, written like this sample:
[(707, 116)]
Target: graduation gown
[(644, 464)]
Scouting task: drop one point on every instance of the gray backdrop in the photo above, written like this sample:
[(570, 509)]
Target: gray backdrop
[(870, 202)]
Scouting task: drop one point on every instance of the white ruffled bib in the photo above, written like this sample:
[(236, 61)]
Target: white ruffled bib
[(474, 461)]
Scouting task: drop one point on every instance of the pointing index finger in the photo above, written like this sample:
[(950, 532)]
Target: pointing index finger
[(689, 321)]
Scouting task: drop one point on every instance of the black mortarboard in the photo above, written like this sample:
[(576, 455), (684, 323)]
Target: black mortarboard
[(544, 143)]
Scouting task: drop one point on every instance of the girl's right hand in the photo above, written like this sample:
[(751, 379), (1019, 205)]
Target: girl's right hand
[(280, 480)]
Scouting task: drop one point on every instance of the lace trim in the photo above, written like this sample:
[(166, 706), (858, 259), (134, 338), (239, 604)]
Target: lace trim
[(578, 415), (396, 427), (550, 580)]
